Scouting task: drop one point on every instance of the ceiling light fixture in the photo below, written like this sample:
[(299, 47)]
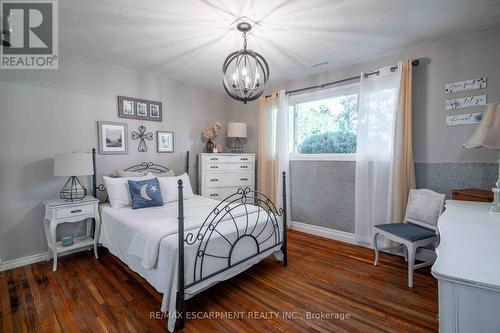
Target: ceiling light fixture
[(245, 73)]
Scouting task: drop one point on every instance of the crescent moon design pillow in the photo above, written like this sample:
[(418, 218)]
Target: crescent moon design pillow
[(145, 193)]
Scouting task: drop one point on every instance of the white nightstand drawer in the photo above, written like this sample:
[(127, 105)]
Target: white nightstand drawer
[(225, 179), (228, 158), (223, 193), (62, 213), (228, 166)]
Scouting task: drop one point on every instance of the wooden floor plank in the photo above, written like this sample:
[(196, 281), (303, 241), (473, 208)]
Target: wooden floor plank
[(323, 278)]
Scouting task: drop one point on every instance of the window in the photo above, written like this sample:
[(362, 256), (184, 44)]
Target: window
[(323, 125)]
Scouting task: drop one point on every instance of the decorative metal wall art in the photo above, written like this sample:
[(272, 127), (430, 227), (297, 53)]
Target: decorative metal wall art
[(143, 136)]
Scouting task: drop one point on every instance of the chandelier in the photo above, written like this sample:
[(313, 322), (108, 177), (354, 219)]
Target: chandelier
[(245, 73)]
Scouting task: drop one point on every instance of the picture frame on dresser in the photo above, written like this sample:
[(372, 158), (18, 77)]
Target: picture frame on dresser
[(164, 142), (112, 137)]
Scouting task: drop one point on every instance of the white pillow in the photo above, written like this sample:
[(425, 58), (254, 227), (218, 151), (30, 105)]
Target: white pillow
[(170, 188), (118, 190), (169, 173), (122, 173)]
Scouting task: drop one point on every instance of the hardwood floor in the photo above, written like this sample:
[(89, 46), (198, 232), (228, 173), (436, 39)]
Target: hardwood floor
[(323, 277)]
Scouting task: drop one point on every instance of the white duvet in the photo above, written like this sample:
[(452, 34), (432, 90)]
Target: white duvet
[(146, 240)]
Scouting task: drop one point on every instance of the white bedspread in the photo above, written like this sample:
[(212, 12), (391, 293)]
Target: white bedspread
[(147, 238)]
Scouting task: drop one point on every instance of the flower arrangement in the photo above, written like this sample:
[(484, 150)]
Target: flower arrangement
[(213, 131)]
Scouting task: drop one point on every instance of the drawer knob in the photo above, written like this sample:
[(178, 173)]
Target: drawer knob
[(214, 195), (214, 180), (214, 159), (243, 179), (244, 166), (244, 159), (214, 166), (76, 211)]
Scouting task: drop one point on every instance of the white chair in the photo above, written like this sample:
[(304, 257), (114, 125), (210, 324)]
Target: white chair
[(419, 228)]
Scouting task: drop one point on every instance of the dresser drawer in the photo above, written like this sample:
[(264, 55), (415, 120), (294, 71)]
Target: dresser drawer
[(227, 158), (228, 166), (226, 179), (75, 211), (222, 193)]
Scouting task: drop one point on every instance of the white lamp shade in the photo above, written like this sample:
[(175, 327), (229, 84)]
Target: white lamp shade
[(487, 134), (236, 130), (73, 164)]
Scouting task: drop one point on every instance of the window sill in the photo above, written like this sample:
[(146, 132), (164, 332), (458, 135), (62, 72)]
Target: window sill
[(324, 157)]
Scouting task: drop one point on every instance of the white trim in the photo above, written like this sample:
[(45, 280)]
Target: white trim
[(323, 157), (338, 235), (33, 259), (344, 89), (422, 254)]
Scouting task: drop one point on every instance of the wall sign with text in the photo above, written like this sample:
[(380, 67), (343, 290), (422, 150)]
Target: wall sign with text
[(467, 85), (465, 102)]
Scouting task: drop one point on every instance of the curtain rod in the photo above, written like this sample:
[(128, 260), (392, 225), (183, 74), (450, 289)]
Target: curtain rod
[(414, 63)]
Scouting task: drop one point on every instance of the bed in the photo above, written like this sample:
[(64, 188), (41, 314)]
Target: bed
[(184, 247)]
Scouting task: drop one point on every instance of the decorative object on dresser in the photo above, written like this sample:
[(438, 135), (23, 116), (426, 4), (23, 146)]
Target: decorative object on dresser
[(245, 73), (237, 134), (487, 135), (73, 165), (113, 138), (164, 142), (142, 135), (211, 133), (223, 174), (467, 268), (58, 211), (141, 109), (472, 194)]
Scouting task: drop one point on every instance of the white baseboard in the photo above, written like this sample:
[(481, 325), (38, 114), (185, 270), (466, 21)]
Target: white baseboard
[(347, 237), (338, 235), (33, 259), (11, 264)]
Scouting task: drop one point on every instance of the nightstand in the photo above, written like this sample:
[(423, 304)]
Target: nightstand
[(58, 211), (472, 194)]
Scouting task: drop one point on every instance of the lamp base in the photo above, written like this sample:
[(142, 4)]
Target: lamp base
[(73, 190), (237, 147), (495, 207)]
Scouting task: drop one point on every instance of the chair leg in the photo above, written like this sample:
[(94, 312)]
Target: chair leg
[(405, 250), (375, 247), (411, 262)]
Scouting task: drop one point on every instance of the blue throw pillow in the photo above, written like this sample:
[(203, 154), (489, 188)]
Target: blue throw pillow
[(145, 193)]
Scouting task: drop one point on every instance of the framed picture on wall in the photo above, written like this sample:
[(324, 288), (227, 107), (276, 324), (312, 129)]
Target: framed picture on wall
[(154, 110), (113, 138), (165, 142), (142, 109), (136, 108)]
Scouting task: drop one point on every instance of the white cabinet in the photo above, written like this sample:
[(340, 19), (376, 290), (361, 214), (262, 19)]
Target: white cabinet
[(467, 268), (220, 175)]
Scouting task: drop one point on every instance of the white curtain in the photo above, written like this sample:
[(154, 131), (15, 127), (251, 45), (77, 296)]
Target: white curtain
[(376, 121), (272, 157)]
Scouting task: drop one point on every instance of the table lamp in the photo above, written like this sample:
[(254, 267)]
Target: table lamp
[(72, 165), (487, 135), (237, 131)]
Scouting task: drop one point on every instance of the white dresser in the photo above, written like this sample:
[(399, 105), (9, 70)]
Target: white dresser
[(468, 268), (220, 175)]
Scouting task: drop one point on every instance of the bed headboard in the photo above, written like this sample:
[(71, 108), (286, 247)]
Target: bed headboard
[(143, 166)]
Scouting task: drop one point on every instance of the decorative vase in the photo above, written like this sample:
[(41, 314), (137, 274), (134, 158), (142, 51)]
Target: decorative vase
[(210, 146)]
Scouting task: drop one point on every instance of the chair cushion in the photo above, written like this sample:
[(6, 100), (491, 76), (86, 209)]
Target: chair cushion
[(408, 231)]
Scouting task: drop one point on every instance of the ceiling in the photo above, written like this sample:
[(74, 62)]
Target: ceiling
[(188, 40)]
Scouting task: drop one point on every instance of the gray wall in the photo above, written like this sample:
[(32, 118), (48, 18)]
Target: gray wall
[(48, 111), (442, 163)]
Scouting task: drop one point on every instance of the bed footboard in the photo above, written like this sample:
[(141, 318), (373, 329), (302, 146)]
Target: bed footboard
[(233, 213)]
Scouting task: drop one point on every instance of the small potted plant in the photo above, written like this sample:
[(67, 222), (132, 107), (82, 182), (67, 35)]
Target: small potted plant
[(210, 133)]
